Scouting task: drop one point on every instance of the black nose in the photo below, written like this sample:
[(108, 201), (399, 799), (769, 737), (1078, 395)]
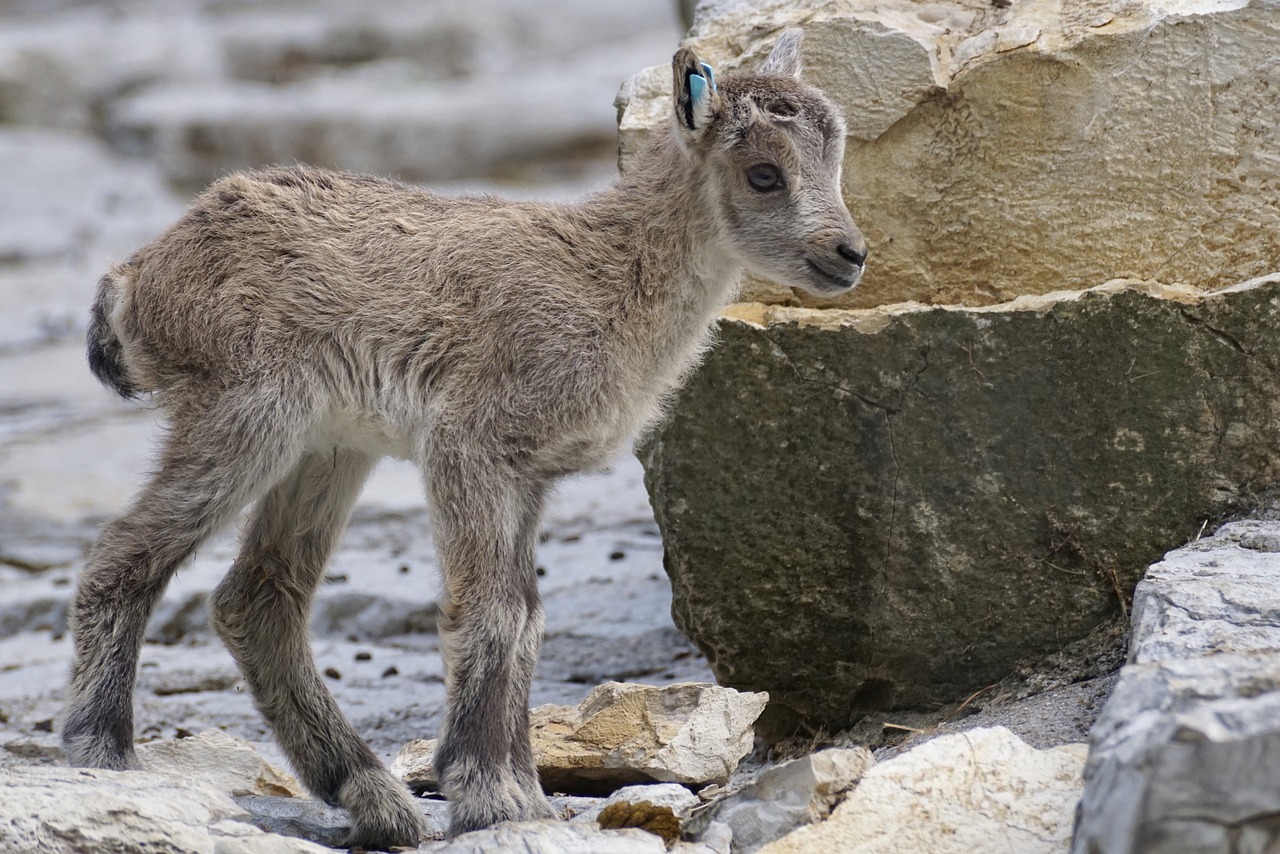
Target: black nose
[(853, 256)]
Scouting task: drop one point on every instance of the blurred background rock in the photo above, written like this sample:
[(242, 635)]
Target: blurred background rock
[(113, 113)]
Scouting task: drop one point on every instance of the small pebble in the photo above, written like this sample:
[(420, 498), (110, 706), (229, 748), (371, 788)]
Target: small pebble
[(364, 656), (390, 671), (617, 555), (332, 673)]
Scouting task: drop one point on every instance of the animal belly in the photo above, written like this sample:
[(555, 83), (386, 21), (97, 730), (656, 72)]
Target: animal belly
[(364, 432)]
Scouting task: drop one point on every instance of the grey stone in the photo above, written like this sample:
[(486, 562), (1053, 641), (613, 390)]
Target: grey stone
[(871, 509), (784, 797), (548, 837), (216, 759), (71, 811), (1182, 757), (310, 819), (419, 95)]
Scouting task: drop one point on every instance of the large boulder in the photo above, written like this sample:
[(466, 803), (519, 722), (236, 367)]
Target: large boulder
[(1043, 145), (870, 509)]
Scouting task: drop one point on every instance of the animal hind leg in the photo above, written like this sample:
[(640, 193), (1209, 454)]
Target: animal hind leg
[(216, 459), (262, 610)]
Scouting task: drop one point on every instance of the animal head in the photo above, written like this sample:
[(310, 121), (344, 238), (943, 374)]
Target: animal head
[(769, 150)]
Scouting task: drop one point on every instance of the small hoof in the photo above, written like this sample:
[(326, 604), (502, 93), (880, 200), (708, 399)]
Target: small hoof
[(466, 815), (384, 814)]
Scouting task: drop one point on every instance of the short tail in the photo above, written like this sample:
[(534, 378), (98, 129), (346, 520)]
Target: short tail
[(106, 352)]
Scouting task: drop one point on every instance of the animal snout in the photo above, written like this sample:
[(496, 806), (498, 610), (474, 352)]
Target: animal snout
[(855, 254)]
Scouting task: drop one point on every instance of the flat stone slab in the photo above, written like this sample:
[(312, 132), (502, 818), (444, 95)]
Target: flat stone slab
[(888, 508), (1183, 757)]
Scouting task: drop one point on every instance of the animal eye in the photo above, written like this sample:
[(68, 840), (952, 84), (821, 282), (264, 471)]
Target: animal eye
[(764, 177)]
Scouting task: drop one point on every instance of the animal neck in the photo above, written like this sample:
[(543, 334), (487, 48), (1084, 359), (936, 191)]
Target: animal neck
[(676, 269)]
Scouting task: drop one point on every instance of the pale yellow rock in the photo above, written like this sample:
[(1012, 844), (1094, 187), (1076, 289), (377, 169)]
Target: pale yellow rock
[(221, 761), (982, 790), (689, 733), (1045, 146)]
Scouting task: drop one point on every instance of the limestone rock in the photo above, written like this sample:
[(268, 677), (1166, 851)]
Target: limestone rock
[(981, 790), (1181, 756), (661, 809), (686, 733), (784, 797), (415, 765), (1044, 145), (871, 509), (397, 129), (72, 811), (623, 733), (549, 837), (425, 94), (226, 763)]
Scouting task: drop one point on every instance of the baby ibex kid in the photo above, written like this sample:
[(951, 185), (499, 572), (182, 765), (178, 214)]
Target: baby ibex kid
[(297, 324)]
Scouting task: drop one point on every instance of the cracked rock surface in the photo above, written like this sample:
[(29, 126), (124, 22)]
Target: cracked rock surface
[(1182, 758), (942, 492)]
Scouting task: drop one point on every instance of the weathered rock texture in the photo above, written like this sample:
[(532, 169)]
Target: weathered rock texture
[(625, 733), (427, 91), (226, 763), (795, 793), (1182, 758), (1003, 151), (982, 790), (70, 811), (553, 838), (888, 508)]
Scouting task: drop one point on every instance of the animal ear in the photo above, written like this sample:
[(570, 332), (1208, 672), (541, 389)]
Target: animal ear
[(695, 96), (784, 61)]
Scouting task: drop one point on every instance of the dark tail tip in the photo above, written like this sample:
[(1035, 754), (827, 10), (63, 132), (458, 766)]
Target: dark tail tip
[(106, 353)]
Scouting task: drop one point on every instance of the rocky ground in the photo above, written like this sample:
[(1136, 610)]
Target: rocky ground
[(111, 114)]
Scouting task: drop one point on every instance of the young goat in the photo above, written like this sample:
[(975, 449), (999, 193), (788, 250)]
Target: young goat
[(297, 324)]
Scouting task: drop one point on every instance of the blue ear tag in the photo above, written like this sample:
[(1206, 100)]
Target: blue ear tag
[(710, 75), (697, 87)]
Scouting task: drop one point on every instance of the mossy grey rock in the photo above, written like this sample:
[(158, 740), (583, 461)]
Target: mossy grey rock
[(891, 507)]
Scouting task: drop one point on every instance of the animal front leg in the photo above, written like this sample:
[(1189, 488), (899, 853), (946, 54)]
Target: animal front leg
[(490, 617), (525, 660)]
